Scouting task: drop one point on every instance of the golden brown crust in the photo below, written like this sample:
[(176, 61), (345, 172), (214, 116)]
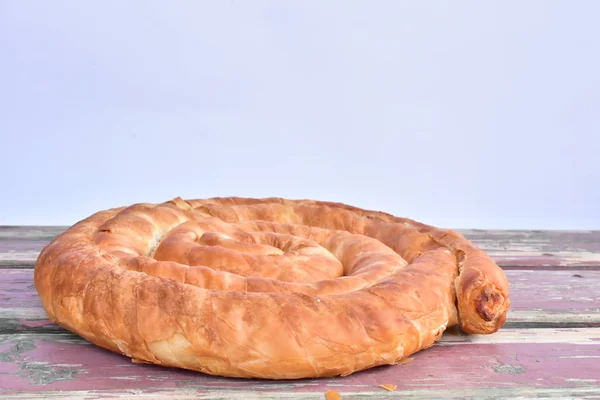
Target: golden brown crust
[(266, 288)]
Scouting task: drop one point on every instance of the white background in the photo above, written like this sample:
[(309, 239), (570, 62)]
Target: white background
[(459, 114)]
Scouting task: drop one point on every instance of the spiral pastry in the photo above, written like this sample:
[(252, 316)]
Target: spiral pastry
[(266, 288)]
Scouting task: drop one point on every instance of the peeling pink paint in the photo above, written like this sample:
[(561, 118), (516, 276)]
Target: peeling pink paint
[(39, 323), (452, 367), (552, 274)]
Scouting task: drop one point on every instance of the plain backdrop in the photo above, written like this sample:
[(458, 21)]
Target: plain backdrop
[(460, 114)]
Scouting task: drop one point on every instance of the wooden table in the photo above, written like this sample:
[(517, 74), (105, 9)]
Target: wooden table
[(550, 346)]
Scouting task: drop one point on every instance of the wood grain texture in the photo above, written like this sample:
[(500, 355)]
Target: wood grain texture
[(18, 232), (20, 246), (518, 359), (499, 393), (538, 249), (550, 346), (540, 299)]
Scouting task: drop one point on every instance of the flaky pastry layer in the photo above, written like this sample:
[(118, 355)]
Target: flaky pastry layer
[(266, 288)]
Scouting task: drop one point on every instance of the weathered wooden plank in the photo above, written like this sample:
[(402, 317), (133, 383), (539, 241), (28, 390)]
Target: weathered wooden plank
[(31, 232), (497, 393), (539, 248), (20, 246), (554, 290), (539, 299), (20, 253), (516, 359), (554, 298)]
